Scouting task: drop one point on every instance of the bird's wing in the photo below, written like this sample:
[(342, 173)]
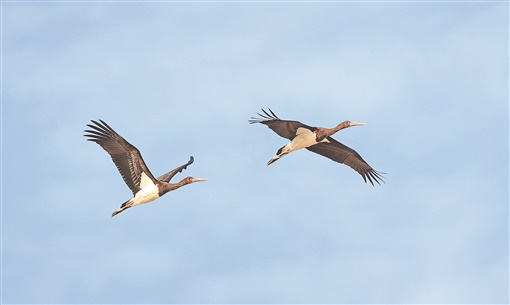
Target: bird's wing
[(285, 129), (340, 153), (126, 157), (168, 176)]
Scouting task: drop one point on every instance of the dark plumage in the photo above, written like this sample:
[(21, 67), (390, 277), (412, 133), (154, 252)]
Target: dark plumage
[(317, 140), (133, 169)]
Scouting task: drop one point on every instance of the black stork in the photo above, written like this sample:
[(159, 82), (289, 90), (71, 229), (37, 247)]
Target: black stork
[(319, 141), (132, 168)]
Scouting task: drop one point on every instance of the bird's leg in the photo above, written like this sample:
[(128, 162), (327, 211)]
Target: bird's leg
[(280, 153), (273, 160), (126, 205)]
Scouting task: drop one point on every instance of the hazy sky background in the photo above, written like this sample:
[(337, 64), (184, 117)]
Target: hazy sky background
[(180, 79)]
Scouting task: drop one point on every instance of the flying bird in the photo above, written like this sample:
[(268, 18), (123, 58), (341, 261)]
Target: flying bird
[(317, 140), (132, 168)]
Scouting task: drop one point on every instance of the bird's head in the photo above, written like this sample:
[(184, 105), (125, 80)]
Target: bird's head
[(173, 186), (347, 124), (189, 180), (322, 133)]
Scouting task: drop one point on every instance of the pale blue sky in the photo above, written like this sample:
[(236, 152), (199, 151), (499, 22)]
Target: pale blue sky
[(180, 79)]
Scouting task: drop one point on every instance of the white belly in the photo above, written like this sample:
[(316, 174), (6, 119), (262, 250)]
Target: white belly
[(304, 138), (149, 193)]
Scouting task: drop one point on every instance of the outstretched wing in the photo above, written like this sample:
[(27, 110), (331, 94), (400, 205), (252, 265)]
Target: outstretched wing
[(168, 176), (285, 129), (340, 153), (126, 157)]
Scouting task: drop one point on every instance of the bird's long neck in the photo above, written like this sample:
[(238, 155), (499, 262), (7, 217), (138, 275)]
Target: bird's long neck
[(323, 133), (337, 128), (166, 187)]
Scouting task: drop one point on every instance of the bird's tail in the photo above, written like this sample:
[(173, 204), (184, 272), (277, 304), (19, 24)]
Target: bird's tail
[(126, 205)]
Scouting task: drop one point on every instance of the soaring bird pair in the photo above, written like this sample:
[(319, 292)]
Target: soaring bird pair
[(146, 188)]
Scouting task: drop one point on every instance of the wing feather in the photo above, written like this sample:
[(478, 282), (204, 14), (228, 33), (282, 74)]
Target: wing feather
[(168, 176), (340, 153), (285, 129), (126, 157)]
